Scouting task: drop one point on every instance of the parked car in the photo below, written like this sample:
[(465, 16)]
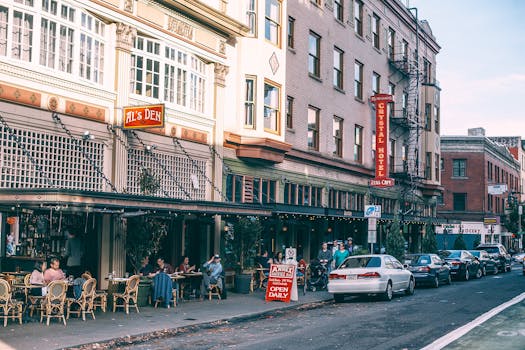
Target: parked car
[(462, 264), (499, 253), (381, 275), (428, 269), (488, 264), (518, 257)]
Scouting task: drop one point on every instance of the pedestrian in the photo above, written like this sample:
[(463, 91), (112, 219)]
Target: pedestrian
[(349, 245), (340, 255), (325, 256), (74, 254)]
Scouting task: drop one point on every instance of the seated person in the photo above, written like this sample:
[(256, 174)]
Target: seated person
[(185, 266), (212, 274), (79, 282), (145, 267), (37, 278), (264, 260), (162, 267), (301, 267), (54, 272)]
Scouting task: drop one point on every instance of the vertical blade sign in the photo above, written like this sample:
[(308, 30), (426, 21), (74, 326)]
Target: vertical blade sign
[(381, 180)]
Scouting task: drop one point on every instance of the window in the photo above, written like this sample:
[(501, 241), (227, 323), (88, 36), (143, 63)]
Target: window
[(289, 112), (358, 144), (376, 83), (314, 54), (373, 148), (338, 10), (460, 201), (338, 136), (426, 71), (272, 21), (291, 31), (358, 17), (392, 155), (22, 36), (437, 162), (338, 68), (313, 128), (404, 50), (459, 167), (251, 16), (404, 157), (249, 102), (271, 107), (145, 62), (358, 80), (428, 116), (391, 105), (345, 200), (92, 49), (391, 43), (436, 119), (404, 104), (428, 166), (375, 31), (3, 30), (305, 195), (247, 189)]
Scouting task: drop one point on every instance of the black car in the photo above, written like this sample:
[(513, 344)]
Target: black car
[(499, 253), (462, 264), (488, 264), (428, 269)]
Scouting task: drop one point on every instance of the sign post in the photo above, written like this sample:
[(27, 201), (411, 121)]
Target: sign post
[(381, 180)]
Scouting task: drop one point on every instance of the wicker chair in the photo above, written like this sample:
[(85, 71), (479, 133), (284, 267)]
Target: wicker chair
[(85, 302), (9, 308), (54, 302), (130, 294), (100, 299)]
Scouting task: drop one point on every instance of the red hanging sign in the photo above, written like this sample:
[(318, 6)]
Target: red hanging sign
[(280, 280), (139, 117), (381, 102)]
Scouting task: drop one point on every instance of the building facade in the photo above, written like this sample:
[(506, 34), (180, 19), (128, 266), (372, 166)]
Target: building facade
[(478, 174)]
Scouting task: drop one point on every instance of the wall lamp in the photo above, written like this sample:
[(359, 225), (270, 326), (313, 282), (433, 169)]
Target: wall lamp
[(87, 136)]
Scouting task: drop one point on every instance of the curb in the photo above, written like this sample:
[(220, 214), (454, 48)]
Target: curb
[(171, 332)]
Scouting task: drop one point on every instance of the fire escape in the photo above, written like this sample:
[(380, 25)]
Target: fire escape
[(406, 123)]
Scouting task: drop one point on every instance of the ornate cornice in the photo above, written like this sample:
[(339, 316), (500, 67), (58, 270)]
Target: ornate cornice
[(125, 36), (221, 71)]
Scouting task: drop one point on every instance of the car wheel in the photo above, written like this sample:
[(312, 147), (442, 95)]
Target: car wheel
[(339, 298), (436, 281), (387, 295), (467, 275), (449, 279), (479, 274), (411, 286)]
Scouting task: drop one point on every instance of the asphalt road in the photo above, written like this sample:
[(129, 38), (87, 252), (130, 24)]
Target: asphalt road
[(407, 322)]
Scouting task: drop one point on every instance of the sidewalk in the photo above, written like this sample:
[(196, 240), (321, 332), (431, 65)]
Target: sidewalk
[(110, 328)]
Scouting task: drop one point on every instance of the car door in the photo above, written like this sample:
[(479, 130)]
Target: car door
[(399, 275), (437, 263)]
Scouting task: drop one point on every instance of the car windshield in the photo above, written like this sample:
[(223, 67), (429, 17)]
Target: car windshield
[(366, 261), (452, 254), (417, 260), (476, 253), (491, 250)]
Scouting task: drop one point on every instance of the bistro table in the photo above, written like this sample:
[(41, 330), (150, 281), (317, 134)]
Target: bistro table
[(193, 282)]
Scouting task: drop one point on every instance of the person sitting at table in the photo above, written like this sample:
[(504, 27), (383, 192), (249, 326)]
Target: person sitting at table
[(145, 267), (278, 258), (37, 278), (54, 272), (78, 283), (162, 267), (264, 260), (185, 267), (212, 274)]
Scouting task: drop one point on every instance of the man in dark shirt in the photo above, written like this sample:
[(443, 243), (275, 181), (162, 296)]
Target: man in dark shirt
[(264, 260), (145, 268), (325, 256)]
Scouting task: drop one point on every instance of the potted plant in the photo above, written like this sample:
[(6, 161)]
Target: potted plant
[(240, 249)]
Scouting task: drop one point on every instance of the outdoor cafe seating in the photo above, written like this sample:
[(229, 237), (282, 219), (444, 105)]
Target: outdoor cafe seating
[(129, 295), (9, 308), (84, 304), (54, 303)]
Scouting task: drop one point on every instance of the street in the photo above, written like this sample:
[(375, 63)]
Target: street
[(360, 323)]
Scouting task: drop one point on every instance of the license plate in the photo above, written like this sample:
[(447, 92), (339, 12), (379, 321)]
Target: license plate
[(351, 277)]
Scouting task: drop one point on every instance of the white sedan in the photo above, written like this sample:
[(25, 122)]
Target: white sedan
[(370, 274)]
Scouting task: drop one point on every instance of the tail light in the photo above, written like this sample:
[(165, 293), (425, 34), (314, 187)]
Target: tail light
[(424, 269), (335, 276), (456, 263), (369, 275)]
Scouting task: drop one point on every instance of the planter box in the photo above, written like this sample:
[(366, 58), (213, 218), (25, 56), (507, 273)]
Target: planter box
[(243, 283)]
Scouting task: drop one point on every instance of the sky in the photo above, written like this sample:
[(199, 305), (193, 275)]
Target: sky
[(481, 65)]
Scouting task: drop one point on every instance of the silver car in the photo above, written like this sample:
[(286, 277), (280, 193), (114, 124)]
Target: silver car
[(381, 275)]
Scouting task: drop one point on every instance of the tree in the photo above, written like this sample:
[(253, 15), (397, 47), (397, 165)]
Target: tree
[(144, 237), (395, 242), (459, 243), (148, 183), (429, 244), (241, 241)]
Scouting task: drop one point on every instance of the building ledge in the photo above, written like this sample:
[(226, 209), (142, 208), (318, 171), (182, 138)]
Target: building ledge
[(260, 148)]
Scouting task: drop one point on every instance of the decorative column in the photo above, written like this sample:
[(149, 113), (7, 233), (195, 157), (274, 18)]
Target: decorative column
[(217, 140)]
